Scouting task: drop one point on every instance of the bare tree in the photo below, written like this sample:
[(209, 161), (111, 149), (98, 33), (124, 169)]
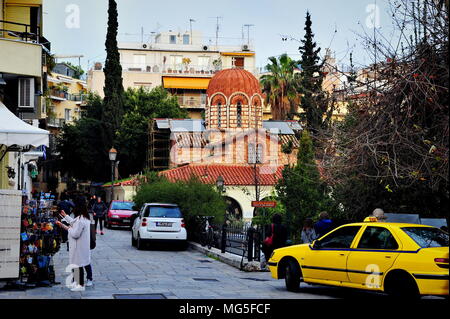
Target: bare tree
[(396, 135)]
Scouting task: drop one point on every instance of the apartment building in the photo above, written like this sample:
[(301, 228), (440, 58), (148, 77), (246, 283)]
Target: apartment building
[(24, 53), (181, 62), (64, 96)]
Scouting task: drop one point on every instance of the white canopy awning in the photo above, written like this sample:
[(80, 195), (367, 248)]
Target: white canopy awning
[(14, 131)]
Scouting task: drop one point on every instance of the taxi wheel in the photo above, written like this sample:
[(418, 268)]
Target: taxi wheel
[(292, 275), (402, 285)]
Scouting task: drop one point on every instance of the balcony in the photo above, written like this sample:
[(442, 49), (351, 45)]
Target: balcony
[(59, 95), (178, 70), (192, 101), (55, 123), (23, 32)]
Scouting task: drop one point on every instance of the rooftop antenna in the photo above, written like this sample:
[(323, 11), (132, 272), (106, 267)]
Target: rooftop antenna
[(142, 34), (217, 29), (248, 32), (190, 25)]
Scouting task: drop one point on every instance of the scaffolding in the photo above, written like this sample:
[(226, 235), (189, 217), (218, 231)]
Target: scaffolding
[(158, 146)]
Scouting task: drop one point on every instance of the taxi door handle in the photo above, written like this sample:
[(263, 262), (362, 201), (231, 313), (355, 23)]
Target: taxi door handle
[(387, 256), (341, 254)]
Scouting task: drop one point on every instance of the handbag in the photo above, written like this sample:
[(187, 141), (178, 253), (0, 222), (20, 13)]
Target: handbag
[(269, 239)]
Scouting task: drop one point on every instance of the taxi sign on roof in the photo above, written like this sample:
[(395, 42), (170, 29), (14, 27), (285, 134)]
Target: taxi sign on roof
[(370, 219)]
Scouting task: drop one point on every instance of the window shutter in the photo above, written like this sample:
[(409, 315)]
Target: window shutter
[(26, 93)]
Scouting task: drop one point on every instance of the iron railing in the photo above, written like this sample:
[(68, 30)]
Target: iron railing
[(24, 32), (59, 94), (54, 122), (178, 69), (240, 240), (192, 100)]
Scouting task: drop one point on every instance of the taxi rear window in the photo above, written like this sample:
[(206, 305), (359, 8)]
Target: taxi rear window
[(427, 237)]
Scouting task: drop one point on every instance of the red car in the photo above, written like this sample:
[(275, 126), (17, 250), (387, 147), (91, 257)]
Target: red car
[(120, 213)]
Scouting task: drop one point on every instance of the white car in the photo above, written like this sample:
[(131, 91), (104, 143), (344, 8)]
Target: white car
[(158, 222)]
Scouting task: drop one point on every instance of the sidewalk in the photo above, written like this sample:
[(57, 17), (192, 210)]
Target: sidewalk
[(227, 258)]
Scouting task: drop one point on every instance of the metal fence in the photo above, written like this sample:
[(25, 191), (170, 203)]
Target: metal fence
[(240, 240)]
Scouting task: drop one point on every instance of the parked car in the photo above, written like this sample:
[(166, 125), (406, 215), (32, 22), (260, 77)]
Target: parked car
[(158, 222), (396, 258), (120, 213)]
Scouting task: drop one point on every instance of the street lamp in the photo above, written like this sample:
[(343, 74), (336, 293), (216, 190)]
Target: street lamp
[(112, 158)]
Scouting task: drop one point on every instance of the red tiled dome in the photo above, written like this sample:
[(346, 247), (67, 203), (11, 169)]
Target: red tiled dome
[(229, 81)]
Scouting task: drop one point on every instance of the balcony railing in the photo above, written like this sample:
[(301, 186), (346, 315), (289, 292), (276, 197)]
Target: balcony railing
[(167, 69), (24, 32), (194, 101), (60, 94), (54, 122)]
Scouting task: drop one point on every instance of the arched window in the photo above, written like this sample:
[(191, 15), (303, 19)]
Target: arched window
[(259, 153), (219, 114), (239, 114)]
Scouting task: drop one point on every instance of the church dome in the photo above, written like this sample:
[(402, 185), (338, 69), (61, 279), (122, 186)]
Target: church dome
[(234, 80)]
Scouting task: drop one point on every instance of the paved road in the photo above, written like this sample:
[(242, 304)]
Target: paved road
[(120, 268)]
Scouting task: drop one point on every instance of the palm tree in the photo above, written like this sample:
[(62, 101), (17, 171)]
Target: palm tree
[(281, 87)]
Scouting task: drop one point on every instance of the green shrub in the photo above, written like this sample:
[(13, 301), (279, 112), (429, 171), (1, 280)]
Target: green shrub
[(193, 197)]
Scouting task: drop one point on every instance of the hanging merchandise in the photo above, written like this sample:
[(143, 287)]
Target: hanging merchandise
[(40, 240)]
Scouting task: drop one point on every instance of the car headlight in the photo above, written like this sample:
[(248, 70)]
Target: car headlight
[(115, 216)]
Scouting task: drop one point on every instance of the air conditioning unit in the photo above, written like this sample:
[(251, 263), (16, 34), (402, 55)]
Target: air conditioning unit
[(205, 48), (245, 47), (26, 93)]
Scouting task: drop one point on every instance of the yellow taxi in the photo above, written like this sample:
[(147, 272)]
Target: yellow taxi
[(396, 258)]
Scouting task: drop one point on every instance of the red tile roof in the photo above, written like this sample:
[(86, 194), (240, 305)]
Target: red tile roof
[(229, 81), (232, 174)]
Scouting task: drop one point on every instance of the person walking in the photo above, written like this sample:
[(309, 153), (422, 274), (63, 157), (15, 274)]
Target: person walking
[(308, 233), (99, 210), (91, 203), (276, 236), (79, 244), (324, 225)]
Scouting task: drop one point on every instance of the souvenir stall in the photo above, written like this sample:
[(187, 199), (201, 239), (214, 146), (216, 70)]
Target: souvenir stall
[(40, 239), (23, 222)]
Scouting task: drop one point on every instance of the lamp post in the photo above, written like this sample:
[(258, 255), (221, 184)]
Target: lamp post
[(220, 183), (112, 158)]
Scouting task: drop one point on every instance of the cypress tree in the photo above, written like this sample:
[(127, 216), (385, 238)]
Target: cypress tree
[(301, 190), (113, 102), (313, 101)]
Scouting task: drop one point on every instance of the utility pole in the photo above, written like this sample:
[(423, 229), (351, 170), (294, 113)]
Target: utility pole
[(248, 32)]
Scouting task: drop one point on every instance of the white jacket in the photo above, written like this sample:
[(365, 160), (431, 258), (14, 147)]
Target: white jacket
[(79, 241)]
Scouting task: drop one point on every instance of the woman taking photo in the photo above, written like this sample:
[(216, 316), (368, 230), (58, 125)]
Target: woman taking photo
[(79, 243)]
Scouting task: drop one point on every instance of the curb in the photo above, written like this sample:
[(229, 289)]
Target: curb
[(227, 258)]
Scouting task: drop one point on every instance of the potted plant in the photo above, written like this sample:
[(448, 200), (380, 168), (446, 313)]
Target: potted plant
[(217, 63), (186, 62)]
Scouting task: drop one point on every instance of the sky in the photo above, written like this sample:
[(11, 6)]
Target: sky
[(78, 27)]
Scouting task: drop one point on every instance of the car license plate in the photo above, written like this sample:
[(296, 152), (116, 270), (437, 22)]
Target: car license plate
[(163, 224), (126, 219)]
